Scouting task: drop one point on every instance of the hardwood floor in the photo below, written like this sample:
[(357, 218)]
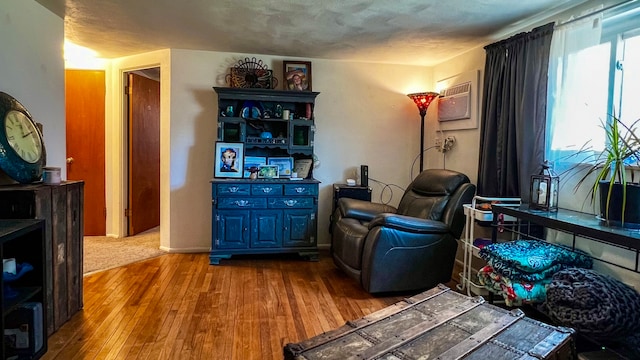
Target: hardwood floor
[(177, 306)]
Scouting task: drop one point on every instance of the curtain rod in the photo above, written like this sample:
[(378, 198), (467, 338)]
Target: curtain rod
[(611, 7)]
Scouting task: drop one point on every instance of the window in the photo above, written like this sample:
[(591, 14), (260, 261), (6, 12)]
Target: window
[(594, 70), (630, 78)]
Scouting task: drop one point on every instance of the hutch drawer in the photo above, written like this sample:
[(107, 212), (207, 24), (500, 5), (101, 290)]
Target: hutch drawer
[(266, 189), (291, 203), (300, 189), (233, 189), (241, 203)]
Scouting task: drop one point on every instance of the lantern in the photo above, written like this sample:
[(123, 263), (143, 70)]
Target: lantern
[(544, 190)]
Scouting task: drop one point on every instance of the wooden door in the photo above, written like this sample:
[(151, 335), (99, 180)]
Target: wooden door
[(144, 153), (85, 101)]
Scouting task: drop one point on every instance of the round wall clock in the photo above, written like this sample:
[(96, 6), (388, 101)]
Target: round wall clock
[(22, 152)]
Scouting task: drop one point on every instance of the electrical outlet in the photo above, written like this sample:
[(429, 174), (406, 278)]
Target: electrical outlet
[(449, 141), (445, 144)]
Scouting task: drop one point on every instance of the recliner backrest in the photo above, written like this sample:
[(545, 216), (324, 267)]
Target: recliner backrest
[(429, 193)]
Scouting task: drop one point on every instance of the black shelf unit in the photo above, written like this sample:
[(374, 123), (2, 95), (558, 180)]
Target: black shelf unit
[(24, 240)]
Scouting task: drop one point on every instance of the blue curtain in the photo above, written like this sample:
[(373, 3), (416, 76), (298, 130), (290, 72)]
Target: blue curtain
[(514, 113)]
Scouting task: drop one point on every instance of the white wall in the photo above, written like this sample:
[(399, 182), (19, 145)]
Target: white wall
[(363, 116), (32, 69), (464, 156)]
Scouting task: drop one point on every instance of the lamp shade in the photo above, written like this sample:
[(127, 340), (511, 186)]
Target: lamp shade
[(423, 100)]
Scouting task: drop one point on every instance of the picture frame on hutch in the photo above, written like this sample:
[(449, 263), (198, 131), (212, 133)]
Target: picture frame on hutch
[(251, 162), (302, 167), (228, 160), (284, 164), (268, 172), (297, 75)]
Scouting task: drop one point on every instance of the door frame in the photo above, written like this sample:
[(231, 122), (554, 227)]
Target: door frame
[(116, 142)]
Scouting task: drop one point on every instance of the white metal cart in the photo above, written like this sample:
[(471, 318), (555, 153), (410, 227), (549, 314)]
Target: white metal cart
[(468, 281)]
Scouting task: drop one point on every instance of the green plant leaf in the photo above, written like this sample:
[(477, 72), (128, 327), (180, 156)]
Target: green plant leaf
[(622, 143)]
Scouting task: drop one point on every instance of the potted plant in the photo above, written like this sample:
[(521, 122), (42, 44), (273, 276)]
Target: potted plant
[(612, 177)]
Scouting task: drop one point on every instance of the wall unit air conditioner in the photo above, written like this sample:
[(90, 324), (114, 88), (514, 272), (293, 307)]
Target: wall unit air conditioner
[(455, 103)]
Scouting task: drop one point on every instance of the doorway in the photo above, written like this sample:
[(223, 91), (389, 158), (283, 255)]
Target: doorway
[(142, 94)]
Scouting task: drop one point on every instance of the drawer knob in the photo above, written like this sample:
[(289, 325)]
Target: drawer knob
[(299, 190), (290, 202), (242, 203), (267, 190), (233, 189)]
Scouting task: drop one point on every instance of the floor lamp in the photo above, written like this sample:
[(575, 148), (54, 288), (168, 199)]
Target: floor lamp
[(422, 100)]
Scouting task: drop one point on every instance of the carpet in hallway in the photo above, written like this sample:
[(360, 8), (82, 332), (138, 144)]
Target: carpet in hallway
[(102, 252)]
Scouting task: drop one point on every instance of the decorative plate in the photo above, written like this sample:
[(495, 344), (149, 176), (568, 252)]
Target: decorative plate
[(251, 73)]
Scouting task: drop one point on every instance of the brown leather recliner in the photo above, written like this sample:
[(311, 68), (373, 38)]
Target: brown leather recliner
[(412, 247)]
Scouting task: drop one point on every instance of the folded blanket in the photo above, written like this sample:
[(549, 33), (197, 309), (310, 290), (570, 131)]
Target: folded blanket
[(532, 260), (515, 293), (593, 303)]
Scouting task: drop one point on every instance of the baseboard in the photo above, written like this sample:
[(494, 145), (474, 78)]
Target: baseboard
[(206, 250), (185, 250)]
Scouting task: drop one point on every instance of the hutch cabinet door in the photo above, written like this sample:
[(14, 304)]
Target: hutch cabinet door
[(301, 135), (232, 229), (300, 228), (266, 228)]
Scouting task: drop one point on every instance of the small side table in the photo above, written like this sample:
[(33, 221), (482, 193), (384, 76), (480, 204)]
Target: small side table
[(354, 192), (346, 191)]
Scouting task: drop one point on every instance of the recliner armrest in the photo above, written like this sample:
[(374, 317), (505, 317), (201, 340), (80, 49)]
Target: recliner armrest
[(362, 210), (410, 224)]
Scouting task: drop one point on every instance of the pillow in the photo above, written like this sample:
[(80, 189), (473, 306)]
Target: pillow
[(593, 303)]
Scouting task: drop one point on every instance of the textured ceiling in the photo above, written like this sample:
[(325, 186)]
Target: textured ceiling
[(418, 32)]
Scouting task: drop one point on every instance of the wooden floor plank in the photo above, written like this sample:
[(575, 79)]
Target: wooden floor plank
[(177, 306)]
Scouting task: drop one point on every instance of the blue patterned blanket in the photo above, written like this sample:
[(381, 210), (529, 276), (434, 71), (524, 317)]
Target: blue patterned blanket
[(515, 293), (532, 260)]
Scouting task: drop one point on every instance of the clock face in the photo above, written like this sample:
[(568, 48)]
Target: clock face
[(23, 136), (22, 152)]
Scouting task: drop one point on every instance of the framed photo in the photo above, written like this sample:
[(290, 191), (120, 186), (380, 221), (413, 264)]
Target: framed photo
[(228, 159), (284, 164), (297, 75), (302, 167), (252, 163), (268, 172)]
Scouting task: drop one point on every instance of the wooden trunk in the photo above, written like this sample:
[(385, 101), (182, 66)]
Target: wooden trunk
[(439, 324)]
